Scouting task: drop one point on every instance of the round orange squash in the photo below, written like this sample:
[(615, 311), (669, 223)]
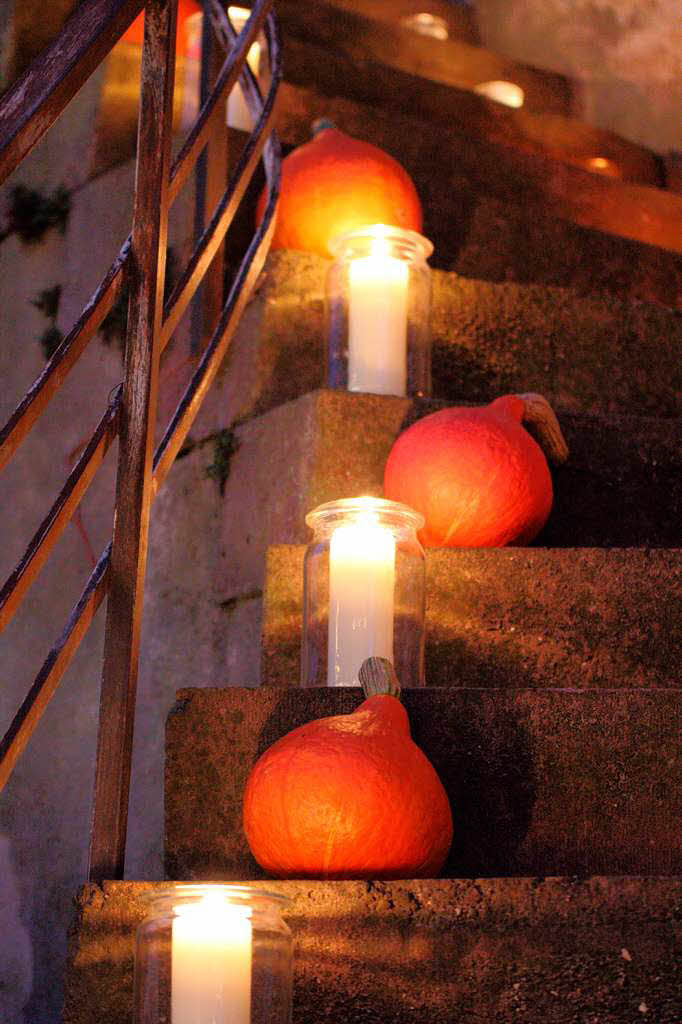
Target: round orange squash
[(334, 184), (351, 796), (476, 474)]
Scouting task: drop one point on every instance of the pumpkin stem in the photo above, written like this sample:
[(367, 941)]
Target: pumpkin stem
[(377, 676), (539, 413), (321, 124)]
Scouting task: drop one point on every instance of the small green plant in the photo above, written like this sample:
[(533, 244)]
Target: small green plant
[(50, 341), (31, 214), (225, 444), (47, 302)]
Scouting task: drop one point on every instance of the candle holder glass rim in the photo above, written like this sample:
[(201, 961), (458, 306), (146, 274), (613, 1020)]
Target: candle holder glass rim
[(177, 894), (391, 513), (405, 243)]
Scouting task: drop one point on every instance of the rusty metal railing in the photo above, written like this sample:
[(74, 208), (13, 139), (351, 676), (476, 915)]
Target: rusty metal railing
[(26, 112)]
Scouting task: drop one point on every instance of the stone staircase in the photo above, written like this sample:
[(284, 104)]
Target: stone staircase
[(553, 707)]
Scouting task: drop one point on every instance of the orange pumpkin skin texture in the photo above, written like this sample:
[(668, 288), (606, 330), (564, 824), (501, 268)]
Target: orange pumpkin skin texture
[(351, 796), (334, 184), (476, 475)]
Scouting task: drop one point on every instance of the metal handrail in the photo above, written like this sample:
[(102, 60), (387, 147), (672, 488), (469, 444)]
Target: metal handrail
[(83, 43)]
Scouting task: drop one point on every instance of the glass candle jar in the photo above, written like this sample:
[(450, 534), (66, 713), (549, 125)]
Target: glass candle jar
[(363, 592), (378, 307), (213, 954)]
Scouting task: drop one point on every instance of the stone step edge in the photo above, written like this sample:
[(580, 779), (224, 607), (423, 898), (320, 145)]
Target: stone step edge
[(541, 782), (486, 618), (385, 950)]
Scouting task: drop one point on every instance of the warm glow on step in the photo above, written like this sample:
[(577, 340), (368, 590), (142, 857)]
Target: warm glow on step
[(426, 24), (602, 165), (508, 93)]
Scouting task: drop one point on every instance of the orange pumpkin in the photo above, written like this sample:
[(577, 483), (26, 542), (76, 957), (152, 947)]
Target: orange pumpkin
[(186, 8), (334, 184), (351, 796), (475, 474)]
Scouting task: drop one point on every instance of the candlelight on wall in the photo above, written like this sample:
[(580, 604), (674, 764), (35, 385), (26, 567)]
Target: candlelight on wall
[(213, 954), (238, 114), (363, 591), (378, 307)]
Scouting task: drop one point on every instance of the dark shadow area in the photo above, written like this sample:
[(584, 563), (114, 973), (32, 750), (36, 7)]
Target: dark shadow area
[(484, 759)]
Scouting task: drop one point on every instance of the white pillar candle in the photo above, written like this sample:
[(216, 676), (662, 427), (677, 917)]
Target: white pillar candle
[(361, 585), (377, 322), (238, 114), (211, 963)]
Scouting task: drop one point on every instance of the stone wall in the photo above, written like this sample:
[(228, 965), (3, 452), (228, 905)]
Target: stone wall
[(625, 58)]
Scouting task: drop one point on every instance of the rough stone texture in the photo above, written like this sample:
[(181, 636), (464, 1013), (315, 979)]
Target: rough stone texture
[(540, 781), (291, 459), (518, 617), (589, 353), (485, 215), (558, 950)]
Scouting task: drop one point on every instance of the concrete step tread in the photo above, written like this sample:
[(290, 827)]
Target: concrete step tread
[(509, 617), (505, 950), (593, 353), (540, 781), (622, 484)]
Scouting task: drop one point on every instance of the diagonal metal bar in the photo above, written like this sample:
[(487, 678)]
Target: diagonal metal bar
[(37, 398), (230, 72), (54, 666), (57, 519), (214, 354), (39, 96), (138, 420), (243, 283), (211, 239)]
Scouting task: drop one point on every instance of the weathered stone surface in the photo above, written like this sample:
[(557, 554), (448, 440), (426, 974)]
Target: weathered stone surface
[(291, 459), (511, 617), (540, 781), (588, 353), (558, 950), (277, 352)]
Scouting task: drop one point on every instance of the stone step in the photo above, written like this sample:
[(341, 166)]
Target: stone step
[(588, 353), (622, 486), (495, 949), (506, 950), (503, 213), (540, 781), (518, 617)]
